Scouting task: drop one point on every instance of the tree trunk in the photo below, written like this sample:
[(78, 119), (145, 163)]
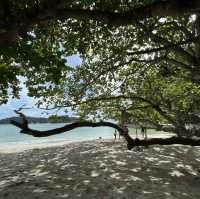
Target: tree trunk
[(164, 141)]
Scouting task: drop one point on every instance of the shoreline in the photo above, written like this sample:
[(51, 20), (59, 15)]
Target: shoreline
[(25, 146), (20, 146)]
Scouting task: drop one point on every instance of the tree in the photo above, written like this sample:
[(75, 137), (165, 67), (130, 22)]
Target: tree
[(118, 61), (149, 99), (18, 17), (35, 36), (119, 42)]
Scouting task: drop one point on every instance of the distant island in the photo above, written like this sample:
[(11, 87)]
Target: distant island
[(51, 119)]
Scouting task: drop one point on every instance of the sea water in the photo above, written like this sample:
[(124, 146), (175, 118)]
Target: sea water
[(10, 134)]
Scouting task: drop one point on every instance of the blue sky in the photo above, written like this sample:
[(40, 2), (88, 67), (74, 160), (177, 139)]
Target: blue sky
[(7, 110)]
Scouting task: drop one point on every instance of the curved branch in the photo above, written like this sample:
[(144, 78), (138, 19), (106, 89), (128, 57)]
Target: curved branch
[(36, 133), (68, 127), (131, 143)]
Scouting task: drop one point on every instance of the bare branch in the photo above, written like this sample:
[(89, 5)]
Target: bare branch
[(131, 143), (36, 133), (165, 141)]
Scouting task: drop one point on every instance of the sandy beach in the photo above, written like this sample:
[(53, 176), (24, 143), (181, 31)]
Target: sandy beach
[(101, 169)]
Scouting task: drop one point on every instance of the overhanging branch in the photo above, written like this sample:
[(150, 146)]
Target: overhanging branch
[(131, 143), (36, 133), (48, 10)]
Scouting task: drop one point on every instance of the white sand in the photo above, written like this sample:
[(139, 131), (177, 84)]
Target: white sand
[(24, 146), (101, 170)]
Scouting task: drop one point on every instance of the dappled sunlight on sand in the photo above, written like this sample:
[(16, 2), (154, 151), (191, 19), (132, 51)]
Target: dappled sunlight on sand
[(101, 170)]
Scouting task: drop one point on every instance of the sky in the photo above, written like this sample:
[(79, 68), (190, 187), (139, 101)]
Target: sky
[(7, 110)]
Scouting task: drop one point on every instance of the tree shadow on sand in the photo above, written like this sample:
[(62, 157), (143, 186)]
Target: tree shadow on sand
[(103, 170)]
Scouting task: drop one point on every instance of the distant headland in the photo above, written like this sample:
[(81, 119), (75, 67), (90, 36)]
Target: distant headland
[(51, 119)]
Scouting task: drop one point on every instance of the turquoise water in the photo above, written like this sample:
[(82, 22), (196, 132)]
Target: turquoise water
[(10, 134)]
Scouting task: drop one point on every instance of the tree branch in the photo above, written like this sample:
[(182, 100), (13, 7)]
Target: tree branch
[(131, 143), (165, 141), (36, 133), (44, 11), (167, 46), (159, 8)]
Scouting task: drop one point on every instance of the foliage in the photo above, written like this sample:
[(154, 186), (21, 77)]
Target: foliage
[(146, 67)]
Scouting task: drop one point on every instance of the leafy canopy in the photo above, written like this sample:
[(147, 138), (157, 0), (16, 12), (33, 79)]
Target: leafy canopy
[(135, 59)]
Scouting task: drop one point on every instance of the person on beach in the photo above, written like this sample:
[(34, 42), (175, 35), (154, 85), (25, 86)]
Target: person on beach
[(144, 132), (136, 133), (115, 134)]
